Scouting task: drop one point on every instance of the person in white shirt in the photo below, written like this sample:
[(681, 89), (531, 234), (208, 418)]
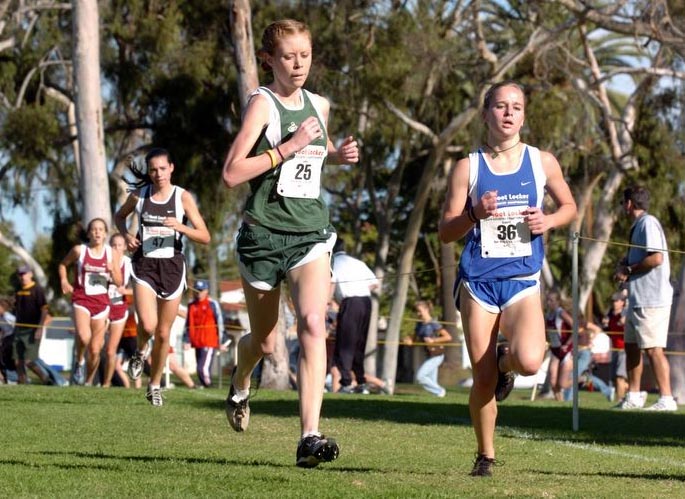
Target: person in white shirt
[(352, 283)]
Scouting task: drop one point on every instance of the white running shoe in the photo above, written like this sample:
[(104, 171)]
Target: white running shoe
[(663, 405), (629, 403), (154, 396)]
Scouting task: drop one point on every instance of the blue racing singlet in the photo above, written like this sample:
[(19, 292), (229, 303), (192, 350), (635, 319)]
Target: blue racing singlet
[(501, 246)]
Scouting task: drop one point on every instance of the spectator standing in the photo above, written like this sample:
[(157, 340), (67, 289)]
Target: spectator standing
[(128, 344), (352, 284), (431, 333), (204, 325), (31, 312), (614, 324), (646, 270)]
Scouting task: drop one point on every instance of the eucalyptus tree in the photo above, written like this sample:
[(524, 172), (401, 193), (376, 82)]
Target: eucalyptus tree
[(87, 88), (643, 42), (489, 39), (173, 85), (37, 116)]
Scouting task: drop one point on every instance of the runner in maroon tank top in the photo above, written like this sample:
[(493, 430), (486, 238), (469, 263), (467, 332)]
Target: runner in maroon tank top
[(96, 265)]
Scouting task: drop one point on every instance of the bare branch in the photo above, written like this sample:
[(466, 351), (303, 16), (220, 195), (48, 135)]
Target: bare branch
[(7, 43), (602, 97), (642, 71), (481, 45), (27, 79), (419, 127), (654, 22)]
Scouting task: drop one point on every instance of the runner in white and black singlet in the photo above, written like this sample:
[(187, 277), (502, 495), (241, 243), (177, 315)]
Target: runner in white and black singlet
[(159, 267)]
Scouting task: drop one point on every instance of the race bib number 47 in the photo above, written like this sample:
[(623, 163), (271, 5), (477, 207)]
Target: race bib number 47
[(300, 176), (158, 242), (505, 235)]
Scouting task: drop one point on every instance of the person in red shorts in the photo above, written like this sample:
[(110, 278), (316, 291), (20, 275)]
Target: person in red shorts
[(118, 313), (96, 265), (559, 326)]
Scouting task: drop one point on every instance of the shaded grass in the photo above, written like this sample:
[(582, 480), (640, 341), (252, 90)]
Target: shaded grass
[(112, 443)]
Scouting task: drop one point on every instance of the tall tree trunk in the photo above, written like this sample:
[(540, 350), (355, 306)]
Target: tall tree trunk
[(448, 269), (243, 46), (411, 237), (275, 367), (94, 179)]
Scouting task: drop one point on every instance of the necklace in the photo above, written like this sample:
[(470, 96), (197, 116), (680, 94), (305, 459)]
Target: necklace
[(497, 153)]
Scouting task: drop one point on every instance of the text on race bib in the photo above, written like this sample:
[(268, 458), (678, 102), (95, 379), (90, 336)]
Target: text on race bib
[(96, 283), (505, 235), (158, 241), (300, 176)]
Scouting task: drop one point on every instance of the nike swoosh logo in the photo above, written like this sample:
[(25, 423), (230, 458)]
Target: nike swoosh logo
[(525, 183)]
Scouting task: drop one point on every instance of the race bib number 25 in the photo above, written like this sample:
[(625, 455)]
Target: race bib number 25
[(300, 176)]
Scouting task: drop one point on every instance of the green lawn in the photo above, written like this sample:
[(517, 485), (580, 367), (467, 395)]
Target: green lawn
[(90, 442)]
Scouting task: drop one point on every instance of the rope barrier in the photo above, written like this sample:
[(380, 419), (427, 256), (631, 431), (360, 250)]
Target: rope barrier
[(551, 241)]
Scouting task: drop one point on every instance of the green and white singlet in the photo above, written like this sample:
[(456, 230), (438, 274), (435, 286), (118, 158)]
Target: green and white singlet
[(288, 197)]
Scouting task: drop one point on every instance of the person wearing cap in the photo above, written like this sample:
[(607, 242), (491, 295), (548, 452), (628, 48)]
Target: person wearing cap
[(31, 312), (204, 324), (614, 324)]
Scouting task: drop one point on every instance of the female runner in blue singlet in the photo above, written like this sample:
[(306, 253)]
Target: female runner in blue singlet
[(494, 199)]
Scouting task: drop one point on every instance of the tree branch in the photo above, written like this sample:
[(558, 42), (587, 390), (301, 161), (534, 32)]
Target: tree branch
[(419, 127)]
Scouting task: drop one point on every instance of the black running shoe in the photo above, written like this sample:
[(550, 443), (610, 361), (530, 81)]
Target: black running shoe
[(313, 450), (238, 413), (505, 381), (136, 365), (482, 466)]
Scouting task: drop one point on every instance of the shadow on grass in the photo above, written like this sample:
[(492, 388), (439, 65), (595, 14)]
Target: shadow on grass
[(162, 459), (630, 476), (537, 422)]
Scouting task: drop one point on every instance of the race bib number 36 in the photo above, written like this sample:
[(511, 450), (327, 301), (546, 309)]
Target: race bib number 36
[(300, 176), (505, 236)]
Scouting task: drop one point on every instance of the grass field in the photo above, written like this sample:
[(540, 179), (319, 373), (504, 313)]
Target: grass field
[(90, 442)]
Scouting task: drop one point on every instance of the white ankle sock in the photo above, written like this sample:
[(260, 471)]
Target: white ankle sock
[(239, 395)]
